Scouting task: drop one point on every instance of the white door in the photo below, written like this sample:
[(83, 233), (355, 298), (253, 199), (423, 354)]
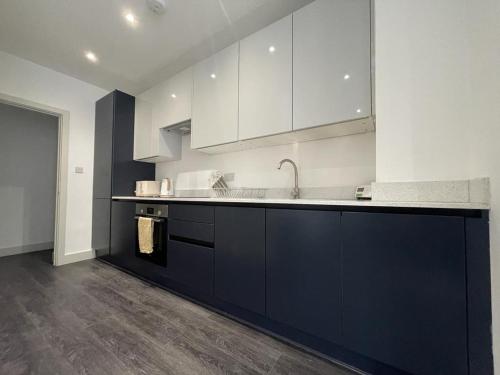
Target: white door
[(331, 62), (143, 129), (174, 101), (266, 81), (215, 99)]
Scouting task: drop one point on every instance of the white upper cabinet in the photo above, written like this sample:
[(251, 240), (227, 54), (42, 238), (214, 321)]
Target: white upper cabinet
[(142, 129), (265, 103), (331, 62), (215, 99), (172, 102), (152, 144)]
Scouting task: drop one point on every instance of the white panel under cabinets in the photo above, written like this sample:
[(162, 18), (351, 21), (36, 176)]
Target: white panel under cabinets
[(265, 103), (172, 100), (331, 62), (215, 99)]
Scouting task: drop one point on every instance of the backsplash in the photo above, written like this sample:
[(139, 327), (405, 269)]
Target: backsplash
[(343, 161)]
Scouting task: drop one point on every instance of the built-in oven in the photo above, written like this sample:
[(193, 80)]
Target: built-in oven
[(158, 213)]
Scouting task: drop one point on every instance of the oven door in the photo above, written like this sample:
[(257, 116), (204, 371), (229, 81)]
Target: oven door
[(159, 254)]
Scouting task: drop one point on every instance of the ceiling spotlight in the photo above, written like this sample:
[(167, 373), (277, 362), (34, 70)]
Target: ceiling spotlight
[(358, 110), (347, 76), (272, 49), (173, 96), (213, 76), (91, 56), (131, 19)]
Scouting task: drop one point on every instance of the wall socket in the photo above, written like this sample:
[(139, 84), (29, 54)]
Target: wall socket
[(78, 169), (228, 177)]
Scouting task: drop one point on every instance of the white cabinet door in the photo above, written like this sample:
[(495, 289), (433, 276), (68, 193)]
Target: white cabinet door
[(215, 99), (266, 81), (173, 101), (143, 129), (331, 62), (152, 144)]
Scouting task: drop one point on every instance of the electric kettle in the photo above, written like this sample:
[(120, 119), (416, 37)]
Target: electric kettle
[(167, 188)]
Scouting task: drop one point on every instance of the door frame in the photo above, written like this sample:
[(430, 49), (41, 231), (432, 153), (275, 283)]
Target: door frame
[(62, 168)]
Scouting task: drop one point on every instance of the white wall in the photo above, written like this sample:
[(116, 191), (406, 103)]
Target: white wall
[(420, 90), (28, 166), (343, 161), (438, 100), (484, 127), (23, 79)]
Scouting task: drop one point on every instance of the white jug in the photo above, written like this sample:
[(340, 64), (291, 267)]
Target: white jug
[(167, 188)]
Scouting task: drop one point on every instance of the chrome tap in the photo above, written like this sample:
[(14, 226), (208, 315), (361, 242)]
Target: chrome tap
[(295, 191)]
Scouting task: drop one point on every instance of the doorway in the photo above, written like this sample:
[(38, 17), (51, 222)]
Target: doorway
[(33, 166)]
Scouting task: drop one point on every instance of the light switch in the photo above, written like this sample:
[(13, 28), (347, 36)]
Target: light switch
[(78, 169)]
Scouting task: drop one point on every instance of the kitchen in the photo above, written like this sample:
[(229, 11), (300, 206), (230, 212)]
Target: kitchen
[(316, 178)]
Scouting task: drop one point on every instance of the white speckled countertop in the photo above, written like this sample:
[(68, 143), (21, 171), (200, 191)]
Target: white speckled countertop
[(320, 202)]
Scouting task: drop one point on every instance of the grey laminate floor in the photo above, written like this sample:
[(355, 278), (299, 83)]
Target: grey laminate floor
[(89, 318)]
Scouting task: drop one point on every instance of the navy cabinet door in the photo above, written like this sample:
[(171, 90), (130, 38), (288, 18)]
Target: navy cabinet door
[(103, 145), (303, 270), (191, 265), (101, 211), (123, 232), (404, 290), (240, 260)]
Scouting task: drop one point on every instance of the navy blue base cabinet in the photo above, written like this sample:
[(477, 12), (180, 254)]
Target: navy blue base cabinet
[(404, 290), (240, 257), (303, 270), (390, 291)]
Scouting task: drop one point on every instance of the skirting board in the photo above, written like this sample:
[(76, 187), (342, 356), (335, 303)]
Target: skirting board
[(26, 248), (78, 256)]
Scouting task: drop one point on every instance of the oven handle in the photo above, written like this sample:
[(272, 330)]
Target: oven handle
[(154, 219)]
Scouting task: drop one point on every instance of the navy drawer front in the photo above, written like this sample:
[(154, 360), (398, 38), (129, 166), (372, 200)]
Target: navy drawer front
[(185, 230), (188, 212), (191, 265)]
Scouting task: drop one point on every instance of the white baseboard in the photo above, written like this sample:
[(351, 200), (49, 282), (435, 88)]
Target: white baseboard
[(67, 258), (26, 248), (77, 257)]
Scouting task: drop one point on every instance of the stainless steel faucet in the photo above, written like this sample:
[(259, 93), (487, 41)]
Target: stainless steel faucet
[(295, 191)]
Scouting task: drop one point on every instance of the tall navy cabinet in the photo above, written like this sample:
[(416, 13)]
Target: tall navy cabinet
[(115, 170)]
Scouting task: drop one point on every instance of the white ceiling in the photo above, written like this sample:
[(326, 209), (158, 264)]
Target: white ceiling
[(55, 34)]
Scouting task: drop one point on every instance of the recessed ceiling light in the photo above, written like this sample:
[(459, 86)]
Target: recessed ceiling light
[(272, 49), (347, 76), (358, 110), (91, 56), (213, 76), (131, 18), (173, 96)]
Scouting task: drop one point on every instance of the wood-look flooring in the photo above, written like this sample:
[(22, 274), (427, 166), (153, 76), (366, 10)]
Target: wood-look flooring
[(89, 318)]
